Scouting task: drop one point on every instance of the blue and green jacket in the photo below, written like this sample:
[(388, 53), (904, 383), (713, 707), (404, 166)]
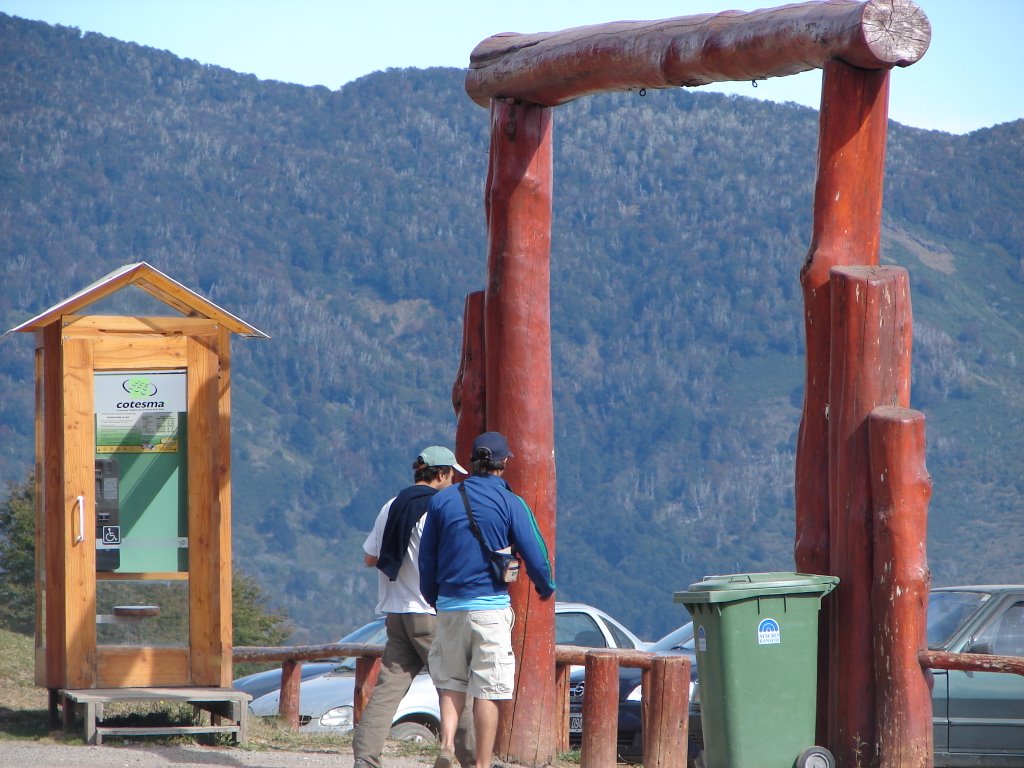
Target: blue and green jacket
[(451, 561)]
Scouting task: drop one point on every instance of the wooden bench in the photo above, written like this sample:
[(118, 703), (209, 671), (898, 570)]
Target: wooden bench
[(229, 711)]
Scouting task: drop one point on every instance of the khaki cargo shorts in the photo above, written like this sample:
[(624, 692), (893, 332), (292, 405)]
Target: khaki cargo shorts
[(472, 652)]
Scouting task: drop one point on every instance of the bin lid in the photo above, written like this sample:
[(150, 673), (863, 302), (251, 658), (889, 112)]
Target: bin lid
[(744, 586)]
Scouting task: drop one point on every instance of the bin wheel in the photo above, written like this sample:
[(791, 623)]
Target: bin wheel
[(815, 757)]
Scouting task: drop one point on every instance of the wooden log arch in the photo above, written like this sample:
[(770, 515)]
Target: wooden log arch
[(520, 78)]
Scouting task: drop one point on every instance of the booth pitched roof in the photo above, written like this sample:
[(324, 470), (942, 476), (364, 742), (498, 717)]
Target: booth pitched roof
[(156, 284)]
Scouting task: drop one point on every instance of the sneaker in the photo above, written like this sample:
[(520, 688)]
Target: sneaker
[(445, 759)]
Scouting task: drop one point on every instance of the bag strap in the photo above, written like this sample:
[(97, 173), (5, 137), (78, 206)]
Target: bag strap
[(472, 522)]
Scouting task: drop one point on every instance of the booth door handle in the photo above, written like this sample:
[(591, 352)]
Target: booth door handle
[(80, 503)]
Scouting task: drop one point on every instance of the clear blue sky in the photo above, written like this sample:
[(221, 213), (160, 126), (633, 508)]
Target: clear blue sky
[(970, 77)]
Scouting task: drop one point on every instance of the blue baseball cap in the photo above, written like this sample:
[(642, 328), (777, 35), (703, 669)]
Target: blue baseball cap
[(491, 446)]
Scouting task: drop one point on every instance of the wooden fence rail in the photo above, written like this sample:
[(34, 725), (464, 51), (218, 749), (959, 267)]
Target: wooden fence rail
[(972, 662), (666, 681)]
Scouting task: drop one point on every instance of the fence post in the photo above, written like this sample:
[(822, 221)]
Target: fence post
[(562, 705), (288, 703), (600, 711), (367, 669), (900, 491), (666, 712)]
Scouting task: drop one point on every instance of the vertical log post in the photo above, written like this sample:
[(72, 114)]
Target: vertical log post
[(900, 491), (846, 231), (288, 702), (367, 671), (666, 711), (562, 697), (469, 395), (517, 342), (871, 341), (600, 711)]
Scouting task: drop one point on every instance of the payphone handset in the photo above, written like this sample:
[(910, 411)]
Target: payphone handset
[(108, 517)]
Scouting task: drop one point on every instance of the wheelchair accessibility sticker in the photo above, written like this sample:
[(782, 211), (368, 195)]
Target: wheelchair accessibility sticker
[(768, 632), (111, 535)]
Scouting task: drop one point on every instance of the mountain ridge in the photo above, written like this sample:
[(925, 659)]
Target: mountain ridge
[(349, 225)]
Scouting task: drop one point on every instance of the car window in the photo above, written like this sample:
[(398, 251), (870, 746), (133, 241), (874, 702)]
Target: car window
[(622, 640), (680, 639), (574, 628), (948, 612), (1005, 635)]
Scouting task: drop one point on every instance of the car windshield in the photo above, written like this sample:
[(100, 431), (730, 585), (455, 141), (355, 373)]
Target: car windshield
[(948, 611), (374, 633), (680, 639)]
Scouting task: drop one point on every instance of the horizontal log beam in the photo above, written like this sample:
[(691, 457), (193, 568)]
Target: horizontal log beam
[(253, 653), (627, 657), (972, 662), (564, 654), (552, 68)]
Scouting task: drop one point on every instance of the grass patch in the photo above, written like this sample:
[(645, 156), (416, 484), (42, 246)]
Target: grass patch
[(24, 713)]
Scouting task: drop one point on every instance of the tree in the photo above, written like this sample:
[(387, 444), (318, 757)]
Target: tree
[(255, 623), (17, 558)]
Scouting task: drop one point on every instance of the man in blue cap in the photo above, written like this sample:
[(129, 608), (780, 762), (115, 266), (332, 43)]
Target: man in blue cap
[(392, 547), (467, 526)]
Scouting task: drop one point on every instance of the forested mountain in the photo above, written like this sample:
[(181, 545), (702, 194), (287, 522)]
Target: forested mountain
[(349, 225)]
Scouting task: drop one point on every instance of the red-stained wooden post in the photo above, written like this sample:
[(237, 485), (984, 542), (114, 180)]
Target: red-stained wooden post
[(600, 711), (562, 697), (846, 231), (288, 702), (666, 712), (367, 671), (469, 393), (517, 345), (871, 341), (900, 491)]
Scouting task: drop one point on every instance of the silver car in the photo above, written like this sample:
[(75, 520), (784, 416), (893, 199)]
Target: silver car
[(325, 701)]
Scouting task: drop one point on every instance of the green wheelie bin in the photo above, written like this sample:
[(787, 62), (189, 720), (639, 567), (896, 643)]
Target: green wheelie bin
[(757, 656)]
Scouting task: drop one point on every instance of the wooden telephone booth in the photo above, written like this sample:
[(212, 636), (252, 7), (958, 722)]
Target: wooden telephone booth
[(133, 499)]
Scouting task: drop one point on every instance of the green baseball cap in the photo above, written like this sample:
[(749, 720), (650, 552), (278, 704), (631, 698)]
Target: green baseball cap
[(439, 456)]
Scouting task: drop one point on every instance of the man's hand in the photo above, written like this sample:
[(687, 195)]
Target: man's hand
[(369, 560)]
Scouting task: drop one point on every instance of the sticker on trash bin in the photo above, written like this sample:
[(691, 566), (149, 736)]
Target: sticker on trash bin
[(768, 632), (702, 640)]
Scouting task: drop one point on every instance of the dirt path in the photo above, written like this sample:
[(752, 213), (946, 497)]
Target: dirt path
[(42, 754)]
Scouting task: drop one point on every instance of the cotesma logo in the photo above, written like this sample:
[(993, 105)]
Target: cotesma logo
[(139, 388)]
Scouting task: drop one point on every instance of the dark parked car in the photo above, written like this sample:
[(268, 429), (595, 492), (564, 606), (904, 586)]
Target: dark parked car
[(629, 741), (978, 716)]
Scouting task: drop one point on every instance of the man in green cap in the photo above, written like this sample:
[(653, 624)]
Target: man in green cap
[(392, 547)]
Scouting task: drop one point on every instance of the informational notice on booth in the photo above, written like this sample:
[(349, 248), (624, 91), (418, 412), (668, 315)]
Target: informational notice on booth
[(137, 412), (141, 471)]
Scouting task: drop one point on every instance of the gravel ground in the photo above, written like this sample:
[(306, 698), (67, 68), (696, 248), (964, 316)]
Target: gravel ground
[(42, 754)]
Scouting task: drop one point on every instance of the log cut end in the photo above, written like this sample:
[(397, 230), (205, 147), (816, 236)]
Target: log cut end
[(896, 32)]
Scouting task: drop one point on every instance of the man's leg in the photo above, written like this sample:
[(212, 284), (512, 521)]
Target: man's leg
[(400, 664), (453, 703), (485, 721), (465, 738), (421, 629), (492, 675)]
